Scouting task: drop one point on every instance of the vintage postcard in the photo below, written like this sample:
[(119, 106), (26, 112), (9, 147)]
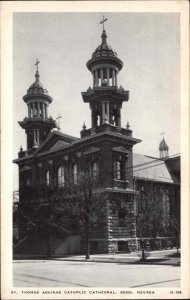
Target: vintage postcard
[(95, 150)]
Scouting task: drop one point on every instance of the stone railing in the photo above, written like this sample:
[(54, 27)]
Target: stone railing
[(106, 128)]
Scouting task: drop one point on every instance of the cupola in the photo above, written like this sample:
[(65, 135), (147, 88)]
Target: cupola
[(104, 64), (37, 125), (163, 149), (37, 98)]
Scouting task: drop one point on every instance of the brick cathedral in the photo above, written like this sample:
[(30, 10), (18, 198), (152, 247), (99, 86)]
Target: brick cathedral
[(106, 148)]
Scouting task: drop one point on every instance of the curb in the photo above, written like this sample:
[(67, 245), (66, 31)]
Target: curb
[(124, 261)]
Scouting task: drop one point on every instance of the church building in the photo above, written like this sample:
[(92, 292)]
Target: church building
[(105, 148)]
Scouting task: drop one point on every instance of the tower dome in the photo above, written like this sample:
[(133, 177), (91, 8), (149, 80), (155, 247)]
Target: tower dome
[(36, 90), (104, 56), (163, 148), (37, 87), (163, 145), (104, 49)]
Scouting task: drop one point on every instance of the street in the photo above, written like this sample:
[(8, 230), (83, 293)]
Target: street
[(59, 273)]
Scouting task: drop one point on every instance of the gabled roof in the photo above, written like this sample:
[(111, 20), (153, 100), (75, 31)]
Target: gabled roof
[(56, 140), (91, 150), (151, 168)]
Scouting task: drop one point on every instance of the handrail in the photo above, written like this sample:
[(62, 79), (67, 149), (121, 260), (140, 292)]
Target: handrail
[(20, 242)]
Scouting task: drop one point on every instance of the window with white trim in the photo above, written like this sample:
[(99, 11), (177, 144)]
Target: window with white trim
[(60, 176), (94, 169), (118, 170), (75, 171), (47, 177)]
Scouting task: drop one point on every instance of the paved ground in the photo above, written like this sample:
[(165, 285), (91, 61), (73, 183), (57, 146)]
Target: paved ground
[(75, 272)]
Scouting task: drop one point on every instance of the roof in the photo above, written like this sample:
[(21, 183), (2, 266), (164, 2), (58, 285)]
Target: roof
[(173, 165), (152, 168), (104, 47), (37, 87), (56, 140)]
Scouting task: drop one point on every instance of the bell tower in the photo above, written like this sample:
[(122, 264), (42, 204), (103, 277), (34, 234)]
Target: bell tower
[(37, 124), (105, 98)]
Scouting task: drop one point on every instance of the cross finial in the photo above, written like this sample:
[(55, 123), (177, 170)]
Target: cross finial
[(84, 126), (162, 133), (58, 118), (127, 126), (103, 21), (37, 74), (37, 62)]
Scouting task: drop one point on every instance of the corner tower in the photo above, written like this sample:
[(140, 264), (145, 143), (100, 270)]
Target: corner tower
[(111, 147), (105, 98), (37, 125)]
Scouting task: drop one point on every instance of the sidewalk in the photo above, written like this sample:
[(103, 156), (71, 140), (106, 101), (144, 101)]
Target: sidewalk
[(168, 257)]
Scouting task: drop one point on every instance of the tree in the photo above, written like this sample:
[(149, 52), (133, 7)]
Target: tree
[(175, 221), (39, 214), (153, 213), (15, 217), (79, 202), (85, 197), (175, 231)]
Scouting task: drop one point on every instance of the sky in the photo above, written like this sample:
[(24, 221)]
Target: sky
[(147, 43)]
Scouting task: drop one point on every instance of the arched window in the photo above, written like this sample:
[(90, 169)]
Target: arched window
[(98, 120), (75, 173), (60, 176), (94, 169), (166, 207), (47, 177), (28, 181), (118, 169)]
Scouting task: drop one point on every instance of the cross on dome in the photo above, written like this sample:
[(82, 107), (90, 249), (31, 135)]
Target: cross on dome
[(37, 73), (104, 35), (37, 62), (103, 21)]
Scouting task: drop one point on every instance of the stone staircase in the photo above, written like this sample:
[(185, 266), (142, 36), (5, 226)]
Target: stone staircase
[(71, 245)]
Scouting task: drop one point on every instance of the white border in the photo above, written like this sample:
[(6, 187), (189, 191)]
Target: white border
[(7, 10)]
